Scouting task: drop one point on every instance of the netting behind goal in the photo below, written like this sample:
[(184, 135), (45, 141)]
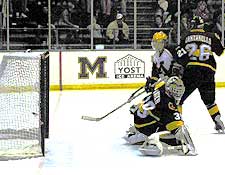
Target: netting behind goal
[(24, 85)]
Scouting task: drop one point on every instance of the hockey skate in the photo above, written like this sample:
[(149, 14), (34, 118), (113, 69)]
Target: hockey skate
[(133, 136), (219, 126)]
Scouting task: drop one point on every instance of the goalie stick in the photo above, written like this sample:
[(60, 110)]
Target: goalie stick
[(133, 96)]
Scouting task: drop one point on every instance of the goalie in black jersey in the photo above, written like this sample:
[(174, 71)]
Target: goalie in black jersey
[(157, 121), (196, 55)]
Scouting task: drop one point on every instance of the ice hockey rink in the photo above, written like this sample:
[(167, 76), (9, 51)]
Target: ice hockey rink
[(82, 147)]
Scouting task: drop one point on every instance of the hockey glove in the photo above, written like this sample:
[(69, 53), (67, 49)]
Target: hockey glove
[(148, 84), (177, 70)]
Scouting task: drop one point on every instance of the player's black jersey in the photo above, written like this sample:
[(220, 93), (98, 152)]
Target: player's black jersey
[(157, 107), (165, 106), (198, 47)]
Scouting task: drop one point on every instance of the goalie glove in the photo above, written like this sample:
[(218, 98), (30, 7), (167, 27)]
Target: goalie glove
[(177, 70), (148, 84)]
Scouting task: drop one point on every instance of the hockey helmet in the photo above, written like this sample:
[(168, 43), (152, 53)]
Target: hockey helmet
[(197, 22), (174, 87), (159, 40)]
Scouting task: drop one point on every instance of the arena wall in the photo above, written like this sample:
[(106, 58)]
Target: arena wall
[(106, 69)]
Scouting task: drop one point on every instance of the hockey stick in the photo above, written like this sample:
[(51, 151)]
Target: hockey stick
[(133, 96)]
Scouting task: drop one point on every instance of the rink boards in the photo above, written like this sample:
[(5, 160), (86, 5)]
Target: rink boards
[(106, 69)]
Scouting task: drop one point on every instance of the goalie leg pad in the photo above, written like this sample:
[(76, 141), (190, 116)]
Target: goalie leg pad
[(152, 146), (183, 135)]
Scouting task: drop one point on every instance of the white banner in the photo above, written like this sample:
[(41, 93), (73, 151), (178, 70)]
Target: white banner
[(106, 68)]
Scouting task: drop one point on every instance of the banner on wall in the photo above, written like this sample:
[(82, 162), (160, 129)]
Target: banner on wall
[(105, 67), (110, 69), (129, 67)]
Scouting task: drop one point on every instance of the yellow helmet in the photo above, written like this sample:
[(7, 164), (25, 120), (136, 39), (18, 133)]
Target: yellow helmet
[(158, 36), (159, 40)]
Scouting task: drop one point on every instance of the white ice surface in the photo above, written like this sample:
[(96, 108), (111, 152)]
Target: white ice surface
[(81, 147)]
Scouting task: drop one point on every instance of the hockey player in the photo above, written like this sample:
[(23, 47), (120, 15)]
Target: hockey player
[(156, 119), (161, 63), (196, 55), (161, 60)]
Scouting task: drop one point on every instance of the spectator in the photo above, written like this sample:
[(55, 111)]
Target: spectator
[(118, 30), (65, 16), (163, 4), (123, 6), (62, 18), (173, 33), (80, 17), (106, 7), (218, 25), (184, 25), (172, 6), (202, 11), (3, 14), (158, 23), (86, 5), (214, 7), (159, 12), (97, 33), (18, 8)]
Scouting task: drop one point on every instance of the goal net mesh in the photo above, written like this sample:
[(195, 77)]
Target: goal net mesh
[(21, 120)]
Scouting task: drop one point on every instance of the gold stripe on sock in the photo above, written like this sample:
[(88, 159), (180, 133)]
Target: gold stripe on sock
[(213, 110)]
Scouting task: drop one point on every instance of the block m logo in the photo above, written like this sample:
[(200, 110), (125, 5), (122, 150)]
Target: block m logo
[(99, 66)]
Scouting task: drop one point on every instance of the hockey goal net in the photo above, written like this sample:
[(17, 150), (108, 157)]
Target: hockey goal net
[(24, 89)]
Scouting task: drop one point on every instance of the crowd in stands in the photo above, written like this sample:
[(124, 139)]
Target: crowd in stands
[(72, 18), (166, 15), (76, 14)]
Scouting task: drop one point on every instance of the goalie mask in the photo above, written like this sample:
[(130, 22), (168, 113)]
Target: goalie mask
[(175, 88), (159, 41)]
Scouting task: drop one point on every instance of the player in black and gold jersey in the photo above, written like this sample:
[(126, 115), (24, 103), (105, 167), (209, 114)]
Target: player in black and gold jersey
[(156, 118), (196, 55)]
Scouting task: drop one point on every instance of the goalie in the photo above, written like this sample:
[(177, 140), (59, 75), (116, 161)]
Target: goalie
[(157, 121)]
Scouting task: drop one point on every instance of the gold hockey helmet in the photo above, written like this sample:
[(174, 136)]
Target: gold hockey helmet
[(159, 40)]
